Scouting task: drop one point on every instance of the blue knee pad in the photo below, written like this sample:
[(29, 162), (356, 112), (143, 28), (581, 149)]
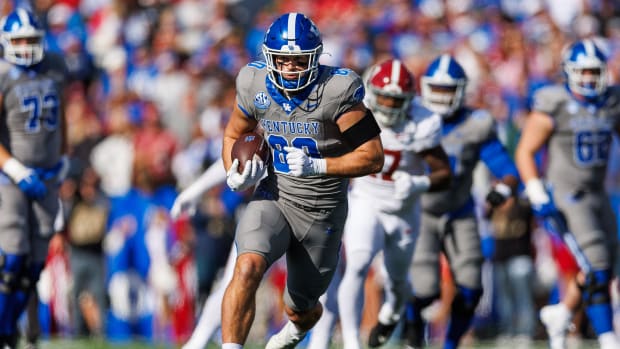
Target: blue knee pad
[(27, 282), (595, 289), (11, 284), (595, 295)]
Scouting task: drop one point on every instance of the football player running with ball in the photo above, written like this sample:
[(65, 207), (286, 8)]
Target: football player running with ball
[(320, 133), (576, 121), (32, 141), (448, 220), (384, 208)]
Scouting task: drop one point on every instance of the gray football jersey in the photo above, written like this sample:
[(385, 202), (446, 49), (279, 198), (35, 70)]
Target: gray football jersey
[(581, 140), (462, 139), (307, 121), (31, 111)]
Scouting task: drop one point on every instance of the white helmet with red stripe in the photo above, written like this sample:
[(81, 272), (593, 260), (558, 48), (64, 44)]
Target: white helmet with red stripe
[(389, 79)]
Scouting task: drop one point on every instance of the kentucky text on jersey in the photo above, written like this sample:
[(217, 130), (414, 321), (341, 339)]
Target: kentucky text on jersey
[(290, 127)]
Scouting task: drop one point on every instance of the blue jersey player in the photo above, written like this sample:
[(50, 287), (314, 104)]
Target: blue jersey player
[(31, 148), (319, 133)]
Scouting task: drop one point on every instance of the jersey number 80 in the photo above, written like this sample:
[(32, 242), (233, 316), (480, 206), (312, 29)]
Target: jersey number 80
[(277, 144)]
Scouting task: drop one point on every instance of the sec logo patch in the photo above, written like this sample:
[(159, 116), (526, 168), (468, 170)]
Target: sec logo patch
[(262, 101)]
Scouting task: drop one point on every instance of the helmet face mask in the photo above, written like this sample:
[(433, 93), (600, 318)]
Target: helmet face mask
[(21, 38), (585, 69), (390, 89), (292, 47), (443, 86)]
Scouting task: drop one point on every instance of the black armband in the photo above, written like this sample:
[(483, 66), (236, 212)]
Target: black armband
[(365, 129)]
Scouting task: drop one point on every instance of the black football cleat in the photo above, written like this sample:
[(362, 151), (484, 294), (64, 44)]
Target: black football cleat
[(414, 334), (380, 334)]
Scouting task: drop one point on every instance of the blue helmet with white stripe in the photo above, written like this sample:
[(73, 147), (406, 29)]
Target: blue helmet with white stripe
[(443, 86), (585, 68), (294, 38), (21, 37)]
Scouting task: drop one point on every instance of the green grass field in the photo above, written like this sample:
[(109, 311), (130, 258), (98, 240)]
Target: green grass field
[(99, 344)]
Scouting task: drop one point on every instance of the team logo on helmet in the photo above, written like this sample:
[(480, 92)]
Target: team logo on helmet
[(262, 101)]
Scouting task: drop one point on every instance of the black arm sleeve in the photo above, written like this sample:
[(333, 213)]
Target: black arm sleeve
[(366, 129)]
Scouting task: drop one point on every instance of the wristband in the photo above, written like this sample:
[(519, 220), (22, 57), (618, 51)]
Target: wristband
[(421, 183), (319, 166), (15, 169)]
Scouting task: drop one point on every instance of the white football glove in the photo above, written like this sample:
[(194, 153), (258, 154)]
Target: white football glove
[(253, 172), (536, 192), (406, 185), (301, 165)]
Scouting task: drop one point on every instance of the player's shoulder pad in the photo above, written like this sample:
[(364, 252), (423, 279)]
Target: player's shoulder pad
[(5, 67), (417, 111), (343, 82), (247, 73), (428, 125), (424, 125), (482, 121), (548, 98)]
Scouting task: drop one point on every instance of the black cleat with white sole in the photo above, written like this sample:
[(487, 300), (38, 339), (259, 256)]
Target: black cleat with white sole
[(380, 334)]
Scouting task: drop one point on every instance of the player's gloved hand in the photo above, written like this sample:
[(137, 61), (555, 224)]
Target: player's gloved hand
[(253, 172), (301, 165), (406, 185), (26, 178), (541, 202), (498, 194)]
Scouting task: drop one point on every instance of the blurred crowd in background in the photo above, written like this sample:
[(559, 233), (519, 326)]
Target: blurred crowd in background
[(152, 83)]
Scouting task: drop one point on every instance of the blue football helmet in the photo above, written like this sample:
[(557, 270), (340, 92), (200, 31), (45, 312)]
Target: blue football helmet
[(585, 68), (443, 86), (21, 24), (290, 36)]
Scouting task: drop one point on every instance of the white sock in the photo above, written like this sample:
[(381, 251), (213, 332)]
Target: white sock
[(211, 316), (322, 332), (232, 346), (608, 340), (351, 298), (565, 309), (387, 316), (293, 330)]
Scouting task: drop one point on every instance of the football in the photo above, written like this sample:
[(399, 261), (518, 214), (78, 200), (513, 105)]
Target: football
[(246, 146)]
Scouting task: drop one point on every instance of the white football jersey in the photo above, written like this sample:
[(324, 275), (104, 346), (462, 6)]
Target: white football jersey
[(401, 145)]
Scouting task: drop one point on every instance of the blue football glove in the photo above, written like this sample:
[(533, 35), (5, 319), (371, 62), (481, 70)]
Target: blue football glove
[(544, 210), (32, 186), (26, 178)]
